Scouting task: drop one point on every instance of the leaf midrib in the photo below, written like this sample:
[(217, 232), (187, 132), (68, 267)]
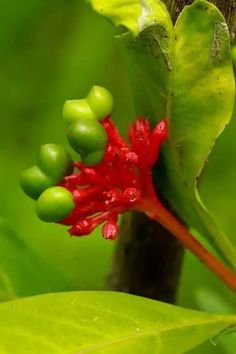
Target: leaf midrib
[(153, 331), (228, 320)]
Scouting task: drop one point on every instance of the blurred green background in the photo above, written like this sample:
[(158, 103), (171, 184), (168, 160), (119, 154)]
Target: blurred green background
[(52, 51)]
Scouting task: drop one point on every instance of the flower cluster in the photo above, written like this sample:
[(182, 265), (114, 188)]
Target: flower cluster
[(121, 181), (113, 175)]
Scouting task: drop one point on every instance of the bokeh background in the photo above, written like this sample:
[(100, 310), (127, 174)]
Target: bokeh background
[(52, 51)]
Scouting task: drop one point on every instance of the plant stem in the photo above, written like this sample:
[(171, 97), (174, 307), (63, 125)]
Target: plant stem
[(158, 212), (147, 260)]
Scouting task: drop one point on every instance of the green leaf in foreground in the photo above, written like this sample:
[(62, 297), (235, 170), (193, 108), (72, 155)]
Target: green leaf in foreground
[(103, 322), (22, 271), (184, 73)]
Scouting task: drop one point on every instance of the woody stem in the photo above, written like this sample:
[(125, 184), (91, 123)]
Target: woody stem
[(156, 211)]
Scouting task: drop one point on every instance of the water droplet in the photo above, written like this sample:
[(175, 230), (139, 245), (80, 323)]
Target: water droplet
[(215, 339), (72, 301)]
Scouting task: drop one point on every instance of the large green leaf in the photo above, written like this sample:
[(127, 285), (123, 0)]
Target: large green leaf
[(186, 74), (22, 271), (103, 322), (199, 107)]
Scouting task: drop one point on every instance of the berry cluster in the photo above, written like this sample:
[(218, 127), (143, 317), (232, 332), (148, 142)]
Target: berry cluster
[(113, 175)]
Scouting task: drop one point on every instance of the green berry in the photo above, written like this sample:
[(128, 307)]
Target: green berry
[(92, 158), (54, 204), (55, 162), (86, 136), (101, 101), (33, 182), (74, 109)]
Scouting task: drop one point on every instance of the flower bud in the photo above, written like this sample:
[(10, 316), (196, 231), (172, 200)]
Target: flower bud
[(89, 139), (75, 109), (33, 181), (100, 101), (54, 161), (54, 204)]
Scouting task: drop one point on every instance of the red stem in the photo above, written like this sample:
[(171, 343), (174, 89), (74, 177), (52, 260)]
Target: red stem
[(156, 211)]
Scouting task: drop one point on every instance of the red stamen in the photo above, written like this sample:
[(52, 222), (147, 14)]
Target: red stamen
[(86, 226), (121, 181), (110, 230)]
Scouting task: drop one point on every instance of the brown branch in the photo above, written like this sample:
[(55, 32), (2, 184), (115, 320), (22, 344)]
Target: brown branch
[(147, 260)]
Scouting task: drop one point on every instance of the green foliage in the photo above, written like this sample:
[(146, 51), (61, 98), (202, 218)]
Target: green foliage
[(22, 271), (134, 15), (184, 73), (200, 106), (52, 51), (96, 322)]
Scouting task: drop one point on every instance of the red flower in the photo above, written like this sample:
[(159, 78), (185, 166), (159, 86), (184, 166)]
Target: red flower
[(121, 181)]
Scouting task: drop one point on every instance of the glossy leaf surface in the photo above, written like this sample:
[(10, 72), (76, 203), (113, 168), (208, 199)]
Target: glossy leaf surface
[(95, 322)]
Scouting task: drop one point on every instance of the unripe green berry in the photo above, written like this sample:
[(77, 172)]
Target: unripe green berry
[(86, 136), (33, 182), (54, 204), (101, 101), (55, 162), (92, 158), (74, 109)]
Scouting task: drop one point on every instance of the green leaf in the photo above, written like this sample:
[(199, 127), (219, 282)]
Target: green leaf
[(148, 49), (103, 322), (199, 107), (185, 74), (22, 271), (134, 15)]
